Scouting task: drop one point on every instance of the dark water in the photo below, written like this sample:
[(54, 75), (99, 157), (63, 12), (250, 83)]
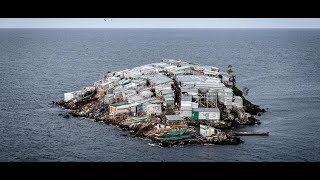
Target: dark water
[(280, 67)]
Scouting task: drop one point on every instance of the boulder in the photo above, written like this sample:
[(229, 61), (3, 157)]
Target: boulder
[(66, 116)]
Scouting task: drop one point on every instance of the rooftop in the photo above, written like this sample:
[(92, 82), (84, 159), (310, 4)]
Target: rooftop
[(186, 98), (174, 118), (191, 78), (159, 79), (206, 109)]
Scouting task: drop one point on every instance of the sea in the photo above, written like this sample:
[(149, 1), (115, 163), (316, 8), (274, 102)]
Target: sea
[(37, 66)]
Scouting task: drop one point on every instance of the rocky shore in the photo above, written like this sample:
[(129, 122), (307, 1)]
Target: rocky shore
[(126, 114), (144, 129)]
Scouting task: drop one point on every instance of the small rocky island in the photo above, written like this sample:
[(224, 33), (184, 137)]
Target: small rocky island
[(172, 102)]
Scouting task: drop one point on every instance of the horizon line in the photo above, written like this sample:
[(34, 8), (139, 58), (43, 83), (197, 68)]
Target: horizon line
[(159, 27)]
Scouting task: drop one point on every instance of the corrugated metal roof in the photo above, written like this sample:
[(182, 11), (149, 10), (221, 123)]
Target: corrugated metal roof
[(183, 68), (129, 91), (191, 78), (186, 108), (189, 89), (186, 98), (174, 118), (227, 90), (206, 109), (135, 98), (162, 86), (168, 99), (168, 95), (146, 92), (171, 67), (170, 61), (159, 79)]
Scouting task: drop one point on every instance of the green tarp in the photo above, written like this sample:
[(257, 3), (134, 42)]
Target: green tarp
[(177, 137), (195, 115), (176, 133)]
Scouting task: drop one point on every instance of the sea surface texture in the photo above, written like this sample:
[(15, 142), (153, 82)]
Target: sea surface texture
[(279, 66)]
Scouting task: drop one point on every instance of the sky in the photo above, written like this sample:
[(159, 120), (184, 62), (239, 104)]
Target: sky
[(159, 22)]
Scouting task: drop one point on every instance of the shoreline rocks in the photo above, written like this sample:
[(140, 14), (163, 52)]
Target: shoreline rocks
[(140, 101), (231, 118)]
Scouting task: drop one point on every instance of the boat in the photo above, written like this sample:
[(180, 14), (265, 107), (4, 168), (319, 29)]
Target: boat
[(134, 120), (175, 133), (186, 136), (250, 133)]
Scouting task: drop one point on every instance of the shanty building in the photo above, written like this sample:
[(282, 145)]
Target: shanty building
[(206, 113), (153, 109), (146, 94), (186, 106), (72, 95), (126, 108), (237, 102), (163, 89), (189, 91), (207, 131), (159, 79), (190, 80), (109, 99), (169, 100), (174, 119)]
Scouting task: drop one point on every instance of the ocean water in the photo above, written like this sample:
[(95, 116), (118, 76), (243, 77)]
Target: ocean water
[(279, 66)]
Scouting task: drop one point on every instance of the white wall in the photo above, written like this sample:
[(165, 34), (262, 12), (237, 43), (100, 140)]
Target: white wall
[(210, 115)]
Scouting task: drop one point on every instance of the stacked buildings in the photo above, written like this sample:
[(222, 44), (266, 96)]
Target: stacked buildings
[(191, 91)]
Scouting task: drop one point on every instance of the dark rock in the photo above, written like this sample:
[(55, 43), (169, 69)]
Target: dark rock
[(74, 113), (66, 116), (60, 114), (124, 134), (259, 114)]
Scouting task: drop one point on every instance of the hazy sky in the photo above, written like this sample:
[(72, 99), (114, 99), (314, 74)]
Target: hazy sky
[(159, 22)]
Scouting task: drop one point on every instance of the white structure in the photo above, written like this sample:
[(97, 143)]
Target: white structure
[(225, 96), (207, 131), (174, 119), (186, 113), (238, 102), (134, 98), (153, 109), (127, 93), (159, 79), (146, 94), (163, 89), (186, 106), (72, 95), (190, 91), (109, 99), (194, 105), (208, 113), (132, 74)]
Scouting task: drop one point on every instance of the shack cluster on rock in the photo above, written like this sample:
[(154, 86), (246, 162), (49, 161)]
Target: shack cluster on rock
[(170, 101)]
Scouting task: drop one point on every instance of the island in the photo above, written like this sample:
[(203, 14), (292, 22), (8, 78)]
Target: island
[(172, 102)]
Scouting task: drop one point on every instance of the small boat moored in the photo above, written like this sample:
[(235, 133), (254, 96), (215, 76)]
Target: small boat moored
[(250, 133)]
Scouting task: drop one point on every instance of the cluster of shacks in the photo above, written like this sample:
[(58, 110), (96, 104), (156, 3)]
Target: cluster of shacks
[(173, 88)]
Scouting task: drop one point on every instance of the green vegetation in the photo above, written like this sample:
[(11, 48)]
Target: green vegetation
[(237, 91), (229, 71)]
